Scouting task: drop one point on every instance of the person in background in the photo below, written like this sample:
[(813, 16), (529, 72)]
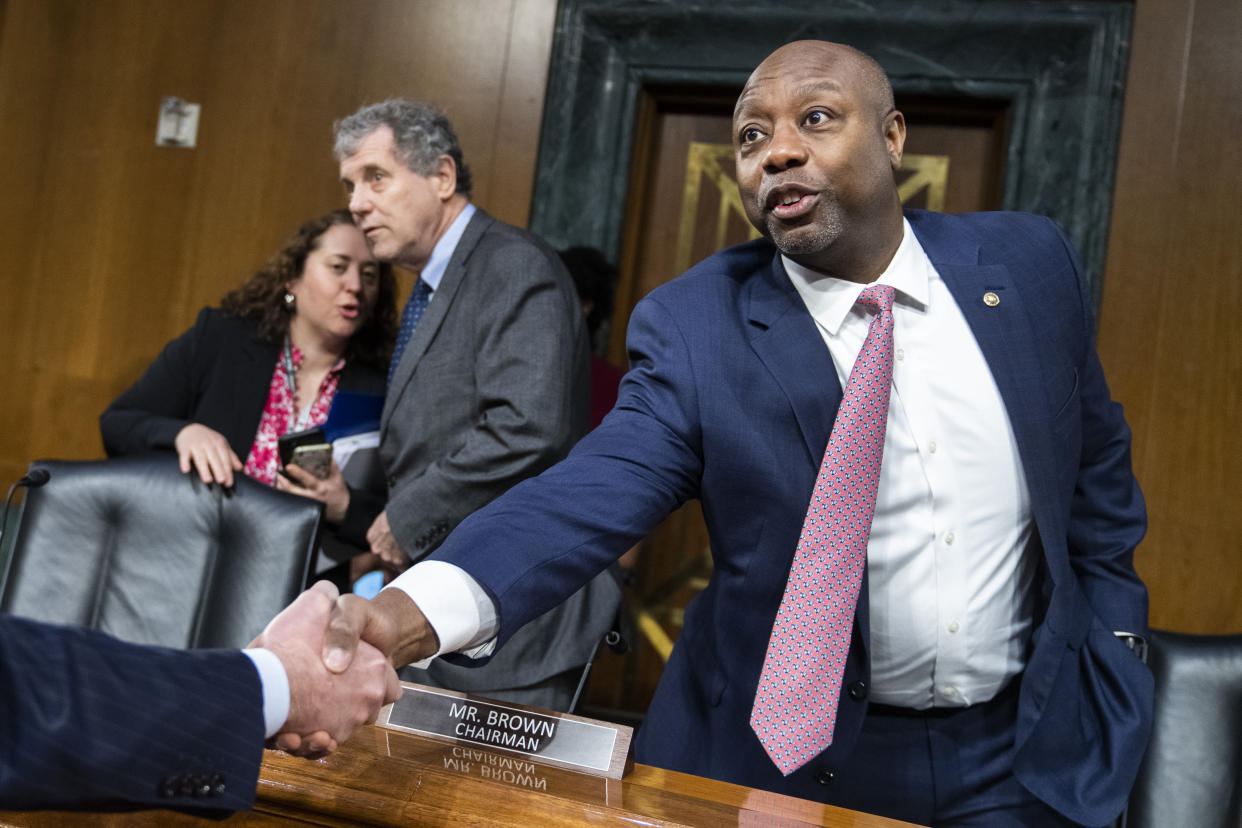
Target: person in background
[(91, 722), (595, 279), (318, 317), (487, 385)]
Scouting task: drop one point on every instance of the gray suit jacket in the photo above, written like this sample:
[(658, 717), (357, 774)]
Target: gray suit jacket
[(492, 389)]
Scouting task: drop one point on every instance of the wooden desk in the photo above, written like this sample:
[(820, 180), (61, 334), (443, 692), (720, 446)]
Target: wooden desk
[(385, 778)]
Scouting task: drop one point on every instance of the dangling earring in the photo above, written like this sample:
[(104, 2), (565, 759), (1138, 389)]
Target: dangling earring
[(290, 301)]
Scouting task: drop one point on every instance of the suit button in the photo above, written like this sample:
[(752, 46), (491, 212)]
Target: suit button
[(168, 787), (392, 482), (824, 777), (217, 785), (858, 690)]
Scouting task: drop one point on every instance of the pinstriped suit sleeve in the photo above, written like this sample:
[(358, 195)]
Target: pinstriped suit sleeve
[(90, 721)]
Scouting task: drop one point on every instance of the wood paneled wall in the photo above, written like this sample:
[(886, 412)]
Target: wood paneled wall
[(1171, 320), (111, 244)]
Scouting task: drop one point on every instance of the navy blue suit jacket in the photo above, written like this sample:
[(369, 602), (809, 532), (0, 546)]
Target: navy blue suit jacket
[(731, 398), (87, 721)]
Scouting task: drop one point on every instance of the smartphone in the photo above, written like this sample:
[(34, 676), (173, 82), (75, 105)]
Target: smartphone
[(307, 437), (316, 459)]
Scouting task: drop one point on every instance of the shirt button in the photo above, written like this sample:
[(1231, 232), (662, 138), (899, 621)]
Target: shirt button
[(901, 354), (948, 538), (949, 691), (931, 447), (954, 627)]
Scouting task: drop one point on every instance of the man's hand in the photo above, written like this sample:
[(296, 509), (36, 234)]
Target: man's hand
[(325, 707), (331, 491), (208, 451), (390, 622), (382, 542), (363, 563)]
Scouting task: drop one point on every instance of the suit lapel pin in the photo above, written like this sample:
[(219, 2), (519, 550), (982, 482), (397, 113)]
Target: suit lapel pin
[(991, 299)]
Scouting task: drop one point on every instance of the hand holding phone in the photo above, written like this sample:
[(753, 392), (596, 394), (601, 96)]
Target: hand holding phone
[(315, 442), (316, 459)]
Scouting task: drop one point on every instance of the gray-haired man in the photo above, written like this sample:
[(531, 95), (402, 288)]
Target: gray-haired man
[(489, 383)]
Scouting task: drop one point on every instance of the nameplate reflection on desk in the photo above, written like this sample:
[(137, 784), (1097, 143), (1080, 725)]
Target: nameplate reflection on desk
[(585, 745), (504, 768)]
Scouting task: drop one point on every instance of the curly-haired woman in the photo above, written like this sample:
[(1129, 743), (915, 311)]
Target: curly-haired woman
[(318, 317)]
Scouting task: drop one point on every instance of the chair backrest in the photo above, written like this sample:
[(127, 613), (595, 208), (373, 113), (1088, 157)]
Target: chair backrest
[(135, 548), (1192, 773)]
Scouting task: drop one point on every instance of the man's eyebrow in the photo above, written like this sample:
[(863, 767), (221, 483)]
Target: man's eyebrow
[(806, 90), (809, 89), (366, 171)]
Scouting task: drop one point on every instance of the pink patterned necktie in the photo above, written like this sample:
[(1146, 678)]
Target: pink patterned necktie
[(796, 703)]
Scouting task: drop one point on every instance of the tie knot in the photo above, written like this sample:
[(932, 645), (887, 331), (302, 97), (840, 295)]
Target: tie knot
[(877, 298)]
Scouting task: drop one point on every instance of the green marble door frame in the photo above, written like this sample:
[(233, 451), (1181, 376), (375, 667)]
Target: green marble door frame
[(1059, 66)]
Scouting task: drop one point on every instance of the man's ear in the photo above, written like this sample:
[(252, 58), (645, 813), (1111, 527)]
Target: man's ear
[(446, 177), (895, 137)]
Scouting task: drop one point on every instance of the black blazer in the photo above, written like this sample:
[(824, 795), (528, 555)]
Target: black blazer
[(90, 721), (217, 373)]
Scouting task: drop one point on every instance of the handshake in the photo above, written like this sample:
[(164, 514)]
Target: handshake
[(339, 653)]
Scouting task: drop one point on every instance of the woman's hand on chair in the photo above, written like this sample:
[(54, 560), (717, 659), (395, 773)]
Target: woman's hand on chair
[(208, 451)]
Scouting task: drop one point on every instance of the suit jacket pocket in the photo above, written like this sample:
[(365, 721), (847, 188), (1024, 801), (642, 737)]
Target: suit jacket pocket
[(1083, 752)]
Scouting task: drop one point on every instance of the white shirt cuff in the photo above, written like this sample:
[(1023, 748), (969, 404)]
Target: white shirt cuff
[(275, 685), (456, 607)]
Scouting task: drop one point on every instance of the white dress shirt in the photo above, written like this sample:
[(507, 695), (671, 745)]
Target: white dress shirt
[(950, 561), (951, 557)]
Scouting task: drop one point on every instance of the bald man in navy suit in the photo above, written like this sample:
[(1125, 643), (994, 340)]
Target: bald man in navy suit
[(988, 681)]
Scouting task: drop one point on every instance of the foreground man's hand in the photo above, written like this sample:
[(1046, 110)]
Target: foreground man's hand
[(325, 707), (390, 622)]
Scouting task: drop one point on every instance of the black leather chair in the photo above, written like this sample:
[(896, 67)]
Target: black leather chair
[(1192, 773), (135, 548)]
